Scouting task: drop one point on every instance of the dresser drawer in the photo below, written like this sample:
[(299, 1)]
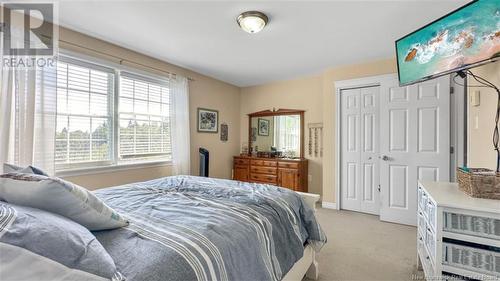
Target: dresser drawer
[(430, 242), (420, 242), (238, 161), (264, 178), (290, 165), (421, 222), (474, 259), (266, 163), (420, 197), (425, 258), (471, 225), (423, 202), (431, 213), (263, 170)]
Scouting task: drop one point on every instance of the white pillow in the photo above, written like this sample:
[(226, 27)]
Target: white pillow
[(61, 197), (11, 168)]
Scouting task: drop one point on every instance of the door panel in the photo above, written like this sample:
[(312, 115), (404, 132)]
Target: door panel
[(288, 178), (359, 149), (352, 178), (428, 173), (241, 173), (428, 134), (369, 182), (398, 186), (369, 162), (369, 134), (415, 139), (398, 133)]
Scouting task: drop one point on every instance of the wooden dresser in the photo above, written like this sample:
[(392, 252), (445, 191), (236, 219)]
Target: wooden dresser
[(289, 173)]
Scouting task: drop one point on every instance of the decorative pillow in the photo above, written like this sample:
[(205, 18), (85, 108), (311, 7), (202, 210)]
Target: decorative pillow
[(54, 245), (11, 168), (61, 197)]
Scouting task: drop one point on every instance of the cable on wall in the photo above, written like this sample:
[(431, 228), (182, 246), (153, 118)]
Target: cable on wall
[(486, 84)]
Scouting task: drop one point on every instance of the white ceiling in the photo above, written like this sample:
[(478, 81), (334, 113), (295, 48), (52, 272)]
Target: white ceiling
[(303, 37)]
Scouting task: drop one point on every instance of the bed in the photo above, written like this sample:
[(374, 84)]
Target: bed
[(194, 228)]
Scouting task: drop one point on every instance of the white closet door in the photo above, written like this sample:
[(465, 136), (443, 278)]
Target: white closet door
[(359, 149), (415, 143), (370, 135)]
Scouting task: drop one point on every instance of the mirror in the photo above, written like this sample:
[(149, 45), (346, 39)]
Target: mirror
[(276, 133)]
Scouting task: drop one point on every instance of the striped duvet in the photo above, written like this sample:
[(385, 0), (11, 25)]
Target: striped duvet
[(192, 228)]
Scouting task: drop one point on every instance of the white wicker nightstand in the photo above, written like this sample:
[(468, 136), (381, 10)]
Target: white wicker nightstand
[(457, 234)]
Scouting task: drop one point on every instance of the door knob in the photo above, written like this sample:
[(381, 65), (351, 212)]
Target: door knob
[(385, 158)]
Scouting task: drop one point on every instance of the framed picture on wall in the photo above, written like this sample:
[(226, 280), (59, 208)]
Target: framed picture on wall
[(263, 125), (208, 120), (224, 132)]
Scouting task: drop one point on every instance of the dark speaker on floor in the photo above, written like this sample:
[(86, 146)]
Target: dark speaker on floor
[(204, 160)]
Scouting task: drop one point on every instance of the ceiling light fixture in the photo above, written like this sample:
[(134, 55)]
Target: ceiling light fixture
[(252, 21)]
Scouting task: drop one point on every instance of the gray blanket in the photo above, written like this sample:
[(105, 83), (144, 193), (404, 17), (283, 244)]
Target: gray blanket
[(193, 228)]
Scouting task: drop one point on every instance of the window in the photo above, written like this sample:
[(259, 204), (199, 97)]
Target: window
[(287, 136), (84, 118), (144, 114), (99, 124)]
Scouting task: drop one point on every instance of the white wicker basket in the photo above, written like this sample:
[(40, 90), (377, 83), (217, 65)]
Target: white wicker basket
[(472, 225), (473, 259)]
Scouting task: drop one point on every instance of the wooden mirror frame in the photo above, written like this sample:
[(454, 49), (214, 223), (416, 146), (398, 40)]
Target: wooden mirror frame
[(278, 113)]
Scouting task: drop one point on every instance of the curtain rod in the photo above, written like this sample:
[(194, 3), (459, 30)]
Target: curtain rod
[(121, 60)]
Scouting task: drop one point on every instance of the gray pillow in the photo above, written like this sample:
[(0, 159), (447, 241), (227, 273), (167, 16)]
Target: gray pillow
[(60, 197), (11, 168), (33, 234)]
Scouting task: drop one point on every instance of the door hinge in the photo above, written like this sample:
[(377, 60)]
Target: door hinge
[(452, 90), (452, 149), (378, 188)]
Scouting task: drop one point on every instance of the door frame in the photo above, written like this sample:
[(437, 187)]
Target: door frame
[(458, 128), (372, 81)]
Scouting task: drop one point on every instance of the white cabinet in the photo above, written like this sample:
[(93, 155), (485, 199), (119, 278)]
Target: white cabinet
[(457, 234)]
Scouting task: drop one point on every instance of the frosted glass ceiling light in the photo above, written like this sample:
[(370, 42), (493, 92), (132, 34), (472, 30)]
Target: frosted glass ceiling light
[(252, 21)]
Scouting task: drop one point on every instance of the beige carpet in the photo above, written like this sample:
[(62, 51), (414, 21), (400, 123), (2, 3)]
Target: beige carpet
[(361, 247)]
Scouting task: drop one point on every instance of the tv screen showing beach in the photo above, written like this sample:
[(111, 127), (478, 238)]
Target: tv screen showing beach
[(461, 39)]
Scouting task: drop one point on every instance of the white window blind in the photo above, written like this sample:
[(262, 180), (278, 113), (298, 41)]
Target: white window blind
[(144, 119), (84, 116)]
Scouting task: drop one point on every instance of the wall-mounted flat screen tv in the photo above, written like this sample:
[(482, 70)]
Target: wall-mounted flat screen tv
[(466, 37)]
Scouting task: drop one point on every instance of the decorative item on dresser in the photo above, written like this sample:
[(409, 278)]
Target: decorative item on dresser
[(289, 173), (457, 235)]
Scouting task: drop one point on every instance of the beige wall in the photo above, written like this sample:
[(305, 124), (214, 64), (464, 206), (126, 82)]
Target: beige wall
[(481, 153), (374, 68), (204, 92), (304, 94), (316, 95)]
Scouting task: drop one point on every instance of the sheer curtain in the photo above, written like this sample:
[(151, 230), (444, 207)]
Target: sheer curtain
[(27, 124), (180, 125)]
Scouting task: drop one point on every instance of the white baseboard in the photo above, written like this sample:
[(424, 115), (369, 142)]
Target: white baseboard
[(329, 205)]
